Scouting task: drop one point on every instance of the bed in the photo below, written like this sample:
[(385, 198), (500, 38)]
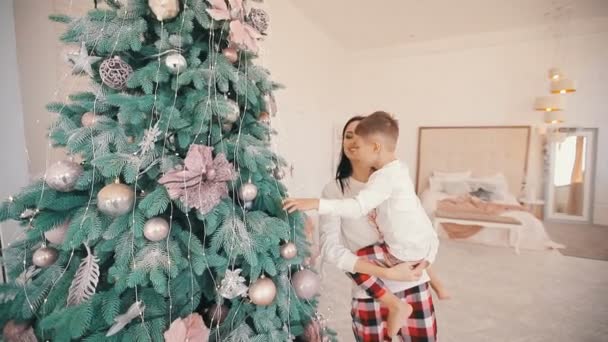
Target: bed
[(468, 179)]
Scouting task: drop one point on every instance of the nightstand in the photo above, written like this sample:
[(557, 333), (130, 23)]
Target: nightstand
[(534, 206)]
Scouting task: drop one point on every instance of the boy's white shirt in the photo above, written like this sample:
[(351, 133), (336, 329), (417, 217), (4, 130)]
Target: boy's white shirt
[(340, 238), (407, 229)]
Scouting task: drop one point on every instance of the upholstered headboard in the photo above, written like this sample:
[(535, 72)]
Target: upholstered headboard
[(483, 150)]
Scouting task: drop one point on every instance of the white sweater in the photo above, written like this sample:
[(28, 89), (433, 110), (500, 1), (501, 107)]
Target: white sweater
[(341, 238), (407, 230)]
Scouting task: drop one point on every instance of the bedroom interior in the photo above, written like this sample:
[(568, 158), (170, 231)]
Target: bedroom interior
[(504, 128)]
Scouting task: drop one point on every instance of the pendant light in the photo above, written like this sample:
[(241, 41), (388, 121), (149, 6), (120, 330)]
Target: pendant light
[(562, 86), (555, 74), (551, 103)]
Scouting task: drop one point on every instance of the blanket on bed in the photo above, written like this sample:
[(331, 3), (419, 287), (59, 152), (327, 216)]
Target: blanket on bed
[(472, 205)]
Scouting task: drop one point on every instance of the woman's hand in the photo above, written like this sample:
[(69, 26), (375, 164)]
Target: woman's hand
[(405, 271), (301, 204)]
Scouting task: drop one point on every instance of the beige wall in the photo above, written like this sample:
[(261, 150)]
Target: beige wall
[(42, 72), (14, 165)]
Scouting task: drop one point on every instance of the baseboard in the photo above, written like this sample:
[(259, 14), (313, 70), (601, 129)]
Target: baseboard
[(600, 214)]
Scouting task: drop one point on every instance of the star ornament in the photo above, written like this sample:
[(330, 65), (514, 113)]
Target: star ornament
[(81, 61)]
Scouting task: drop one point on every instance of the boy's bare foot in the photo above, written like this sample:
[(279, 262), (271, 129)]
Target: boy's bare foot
[(396, 317), (441, 292)]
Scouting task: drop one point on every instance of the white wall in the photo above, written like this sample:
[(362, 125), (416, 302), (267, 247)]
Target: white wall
[(487, 79), (300, 56), (12, 140)]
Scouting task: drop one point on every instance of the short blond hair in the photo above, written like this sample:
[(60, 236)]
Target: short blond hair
[(380, 123)]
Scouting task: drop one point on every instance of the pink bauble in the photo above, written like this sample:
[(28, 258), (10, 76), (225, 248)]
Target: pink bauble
[(88, 119), (216, 314), (313, 332), (18, 332), (231, 54), (264, 118), (57, 235), (262, 292), (156, 229), (289, 250), (306, 283)]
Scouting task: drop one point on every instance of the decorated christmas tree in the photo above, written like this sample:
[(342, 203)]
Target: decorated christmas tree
[(165, 220)]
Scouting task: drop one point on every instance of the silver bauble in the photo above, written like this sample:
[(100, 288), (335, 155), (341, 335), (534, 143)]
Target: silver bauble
[(115, 199), (176, 63), (57, 235), (156, 229), (306, 284), (231, 54), (63, 175), (115, 72), (262, 292), (234, 112), (88, 119), (45, 256), (289, 250), (248, 192), (164, 9)]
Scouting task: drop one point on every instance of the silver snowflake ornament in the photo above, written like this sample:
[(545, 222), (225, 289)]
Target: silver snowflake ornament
[(233, 285)]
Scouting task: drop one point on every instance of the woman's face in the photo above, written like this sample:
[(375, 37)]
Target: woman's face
[(349, 142)]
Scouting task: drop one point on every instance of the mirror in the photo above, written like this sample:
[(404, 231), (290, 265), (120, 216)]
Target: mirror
[(570, 174)]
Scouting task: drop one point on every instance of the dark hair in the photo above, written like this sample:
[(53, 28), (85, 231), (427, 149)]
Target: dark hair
[(345, 168), (381, 123)]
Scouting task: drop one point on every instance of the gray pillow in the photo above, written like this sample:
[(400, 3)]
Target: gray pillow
[(482, 194)]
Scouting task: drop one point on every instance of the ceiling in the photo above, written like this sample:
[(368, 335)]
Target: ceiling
[(358, 24)]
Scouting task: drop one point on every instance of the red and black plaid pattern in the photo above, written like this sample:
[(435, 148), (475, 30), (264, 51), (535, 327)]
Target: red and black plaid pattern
[(380, 255), (369, 318)]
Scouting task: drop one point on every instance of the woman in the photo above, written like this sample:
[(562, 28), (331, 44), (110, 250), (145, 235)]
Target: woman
[(341, 238)]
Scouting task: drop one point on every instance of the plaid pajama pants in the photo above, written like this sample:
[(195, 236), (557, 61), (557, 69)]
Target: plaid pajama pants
[(380, 255), (369, 318)]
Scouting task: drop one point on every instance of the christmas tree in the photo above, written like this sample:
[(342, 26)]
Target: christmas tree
[(165, 221)]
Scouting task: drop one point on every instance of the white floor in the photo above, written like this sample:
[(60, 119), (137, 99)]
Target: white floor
[(499, 296)]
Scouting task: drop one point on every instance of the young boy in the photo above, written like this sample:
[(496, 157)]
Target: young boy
[(408, 234)]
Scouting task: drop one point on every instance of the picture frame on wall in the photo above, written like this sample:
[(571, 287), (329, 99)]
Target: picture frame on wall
[(336, 146)]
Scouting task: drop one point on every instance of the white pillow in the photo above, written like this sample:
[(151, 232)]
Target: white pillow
[(439, 177), (455, 187), (463, 174)]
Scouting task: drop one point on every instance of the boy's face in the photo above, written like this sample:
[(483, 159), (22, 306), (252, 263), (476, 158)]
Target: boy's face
[(367, 150)]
